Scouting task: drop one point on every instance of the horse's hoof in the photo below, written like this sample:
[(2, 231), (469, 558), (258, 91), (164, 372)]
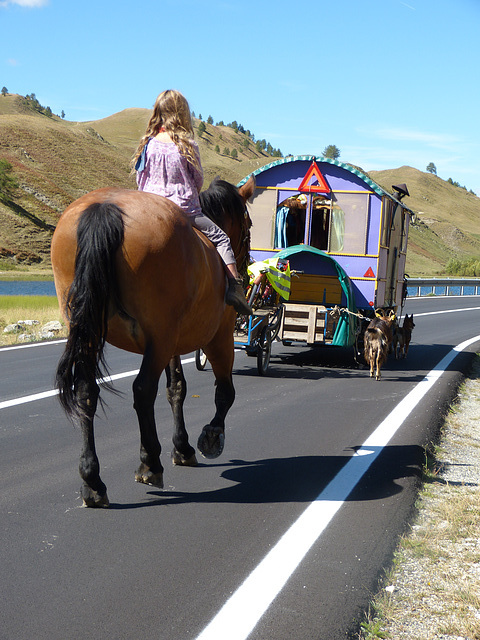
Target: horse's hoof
[(210, 444), (182, 461), (93, 499), (152, 479)]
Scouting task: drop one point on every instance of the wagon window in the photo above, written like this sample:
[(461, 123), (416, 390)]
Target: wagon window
[(337, 230), (290, 221), (320, 224), (265, 205), (348, 228)]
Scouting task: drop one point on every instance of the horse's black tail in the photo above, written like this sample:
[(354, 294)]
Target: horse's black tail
[(92, 295)]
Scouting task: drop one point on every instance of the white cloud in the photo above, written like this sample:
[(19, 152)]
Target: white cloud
[(435, 140), (31, 4)]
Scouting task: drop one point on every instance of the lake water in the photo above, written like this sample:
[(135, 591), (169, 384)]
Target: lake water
[(26, 288)]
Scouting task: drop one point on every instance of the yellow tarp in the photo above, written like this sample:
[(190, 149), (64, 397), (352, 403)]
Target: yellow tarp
[(280, 280)]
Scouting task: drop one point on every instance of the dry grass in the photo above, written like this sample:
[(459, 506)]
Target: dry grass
[(40, 309)]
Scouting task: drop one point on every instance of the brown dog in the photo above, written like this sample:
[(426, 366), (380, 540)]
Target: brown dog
[(377, 341), (402, 337)]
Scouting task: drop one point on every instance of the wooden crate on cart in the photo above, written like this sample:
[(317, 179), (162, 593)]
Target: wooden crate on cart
[(308, 323)]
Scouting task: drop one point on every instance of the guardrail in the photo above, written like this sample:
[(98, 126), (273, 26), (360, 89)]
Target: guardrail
[(420, 287)]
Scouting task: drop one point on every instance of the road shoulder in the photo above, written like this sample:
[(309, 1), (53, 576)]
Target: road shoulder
[(432, 592)]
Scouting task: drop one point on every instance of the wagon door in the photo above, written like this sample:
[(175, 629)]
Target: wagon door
[(394, 240)]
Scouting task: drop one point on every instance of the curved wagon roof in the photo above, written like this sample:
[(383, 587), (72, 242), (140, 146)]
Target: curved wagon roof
[(376, 188)]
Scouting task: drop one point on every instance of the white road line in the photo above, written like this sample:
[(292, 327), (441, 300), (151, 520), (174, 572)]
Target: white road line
[(53, 392), (241, 613), (435, 313), (30, 345)]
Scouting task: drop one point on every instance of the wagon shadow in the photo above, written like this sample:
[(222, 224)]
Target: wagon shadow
[(302, 479), (308, 364), (339, 362)]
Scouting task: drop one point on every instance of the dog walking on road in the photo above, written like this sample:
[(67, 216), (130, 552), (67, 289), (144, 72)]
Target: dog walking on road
[(402, 337), (377, 341)]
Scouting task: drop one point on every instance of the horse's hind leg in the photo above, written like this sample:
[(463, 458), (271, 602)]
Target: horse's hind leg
[(212, 439), (145, 387), (93, 491), (183, 453)]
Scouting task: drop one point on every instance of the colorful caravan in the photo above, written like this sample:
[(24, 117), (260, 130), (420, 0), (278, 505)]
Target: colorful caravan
[(344, 236)]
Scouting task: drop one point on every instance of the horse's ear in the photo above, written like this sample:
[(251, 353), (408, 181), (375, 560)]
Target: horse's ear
[(247, 190)]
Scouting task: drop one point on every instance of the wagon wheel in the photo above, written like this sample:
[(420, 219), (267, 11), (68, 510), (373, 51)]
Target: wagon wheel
[(264, 351), (276, 321), (200, 359)]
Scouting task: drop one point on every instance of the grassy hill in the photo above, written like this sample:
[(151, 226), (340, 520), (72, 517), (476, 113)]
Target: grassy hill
[(55, 161), (447, 220)]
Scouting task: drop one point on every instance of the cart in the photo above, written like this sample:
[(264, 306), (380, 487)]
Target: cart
[(321, 309), (256, 333)]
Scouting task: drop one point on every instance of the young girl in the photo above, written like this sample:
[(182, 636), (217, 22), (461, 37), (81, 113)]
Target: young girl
[(167, 162)]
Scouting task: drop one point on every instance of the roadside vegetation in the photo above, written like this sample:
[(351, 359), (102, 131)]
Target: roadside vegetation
[(29, 315), (463, 268)]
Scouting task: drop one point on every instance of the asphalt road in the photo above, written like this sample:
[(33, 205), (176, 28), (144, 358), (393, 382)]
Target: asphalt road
[(290, 527)]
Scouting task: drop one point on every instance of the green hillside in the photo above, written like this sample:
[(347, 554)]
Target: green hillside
[(447, 220), (55, 161)]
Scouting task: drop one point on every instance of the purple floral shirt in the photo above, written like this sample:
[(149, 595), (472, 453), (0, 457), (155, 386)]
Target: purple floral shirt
[(169, 174)]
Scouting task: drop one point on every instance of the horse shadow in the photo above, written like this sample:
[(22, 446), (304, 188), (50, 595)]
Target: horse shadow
[(301, 479)]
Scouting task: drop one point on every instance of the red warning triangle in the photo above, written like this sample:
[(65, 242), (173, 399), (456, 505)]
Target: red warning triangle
[(369, 273), (314, 172)]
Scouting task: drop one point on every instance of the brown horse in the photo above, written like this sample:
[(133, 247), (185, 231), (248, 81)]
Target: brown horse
[(130, 270)]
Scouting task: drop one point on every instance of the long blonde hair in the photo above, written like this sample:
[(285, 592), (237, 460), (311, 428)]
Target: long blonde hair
[(171, 111)]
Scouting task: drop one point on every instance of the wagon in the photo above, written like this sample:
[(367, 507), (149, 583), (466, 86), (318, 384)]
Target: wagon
[(345, 239)]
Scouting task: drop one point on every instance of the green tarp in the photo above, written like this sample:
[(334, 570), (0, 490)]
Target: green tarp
[(345, 332)]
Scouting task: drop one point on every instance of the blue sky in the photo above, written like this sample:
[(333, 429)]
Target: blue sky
[(389, 82)]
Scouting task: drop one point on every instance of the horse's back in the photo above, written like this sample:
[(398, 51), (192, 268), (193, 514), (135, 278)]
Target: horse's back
[(170, 279)]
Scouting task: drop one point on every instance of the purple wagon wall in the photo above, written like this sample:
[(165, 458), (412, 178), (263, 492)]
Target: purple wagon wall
[(367, 270)]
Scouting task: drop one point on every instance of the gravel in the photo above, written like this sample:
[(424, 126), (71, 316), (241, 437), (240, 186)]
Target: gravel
[(433, 590)]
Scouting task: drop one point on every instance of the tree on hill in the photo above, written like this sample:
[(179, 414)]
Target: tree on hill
[(4, 91), (8, 184), (261, 145), (234, 154), (431, 168), (201, 128), (332, 152)]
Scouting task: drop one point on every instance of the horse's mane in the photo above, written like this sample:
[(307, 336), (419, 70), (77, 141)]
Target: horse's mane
[(222, 199), (221, 202)]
